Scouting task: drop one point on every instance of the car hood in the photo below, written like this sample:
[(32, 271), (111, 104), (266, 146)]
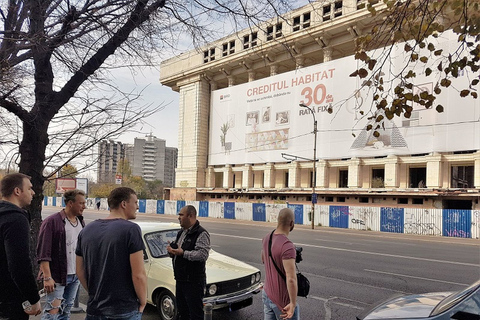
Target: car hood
[(223, 268), (407, 307)]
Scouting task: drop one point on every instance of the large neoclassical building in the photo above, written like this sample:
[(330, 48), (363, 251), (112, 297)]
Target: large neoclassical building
[(247, 107)]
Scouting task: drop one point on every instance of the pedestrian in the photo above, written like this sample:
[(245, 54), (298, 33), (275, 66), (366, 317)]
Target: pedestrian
[(189, 253), (56, 246), (110, 261), (280, 296), (98, 204), (18, 289)]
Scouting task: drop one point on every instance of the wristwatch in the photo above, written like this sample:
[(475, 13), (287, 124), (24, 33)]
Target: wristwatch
[(26, 305)]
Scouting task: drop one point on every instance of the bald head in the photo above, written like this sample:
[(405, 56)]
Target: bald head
[(285, 217)]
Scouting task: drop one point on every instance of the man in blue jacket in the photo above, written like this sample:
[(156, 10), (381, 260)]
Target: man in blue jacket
[(18, 290)]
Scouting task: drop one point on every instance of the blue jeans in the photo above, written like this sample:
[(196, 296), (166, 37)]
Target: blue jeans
[(271, 311), (134, 315), (66, 294)]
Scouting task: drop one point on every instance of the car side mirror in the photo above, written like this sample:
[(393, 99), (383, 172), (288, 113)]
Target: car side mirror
[(145, 256)]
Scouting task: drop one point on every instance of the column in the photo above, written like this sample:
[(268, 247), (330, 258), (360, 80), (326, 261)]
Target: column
[(231, 81), (227, 177), (327, 54), (322, 174), (247, 176), (210, 178), (251, 76), (434, 170), (476, 171), (294, 175), (391, 172), (269, 176), (354, 173), (273, 70)]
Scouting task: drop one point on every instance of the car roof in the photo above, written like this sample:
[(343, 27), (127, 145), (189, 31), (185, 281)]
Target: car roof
[(157, 226)]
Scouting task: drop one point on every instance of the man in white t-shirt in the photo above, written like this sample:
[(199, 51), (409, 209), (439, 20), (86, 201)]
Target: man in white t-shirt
[(57, 241)]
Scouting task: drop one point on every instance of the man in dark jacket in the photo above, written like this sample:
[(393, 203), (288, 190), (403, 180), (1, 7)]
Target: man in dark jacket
[(190, 253), (18, 290), (56, 246)]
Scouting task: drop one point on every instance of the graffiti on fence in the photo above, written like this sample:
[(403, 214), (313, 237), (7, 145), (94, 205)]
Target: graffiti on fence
[(415, 224)]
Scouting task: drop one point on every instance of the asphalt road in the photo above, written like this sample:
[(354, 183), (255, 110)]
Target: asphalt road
[(349, 270)]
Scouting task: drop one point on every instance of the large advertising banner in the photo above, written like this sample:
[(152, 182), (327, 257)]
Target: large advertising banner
[(262, 121)]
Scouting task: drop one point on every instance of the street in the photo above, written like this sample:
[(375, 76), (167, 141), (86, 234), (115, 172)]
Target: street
[(348, 270)]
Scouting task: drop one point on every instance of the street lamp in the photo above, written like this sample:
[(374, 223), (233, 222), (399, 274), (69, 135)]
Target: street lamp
[(314, 195)]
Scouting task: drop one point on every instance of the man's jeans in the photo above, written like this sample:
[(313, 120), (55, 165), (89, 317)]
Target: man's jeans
[(66, 294), (271, 311), (134, 315)]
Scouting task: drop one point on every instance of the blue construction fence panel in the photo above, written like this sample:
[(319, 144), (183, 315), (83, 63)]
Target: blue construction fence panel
[(229, 210), (338, 216), (160, 206), (298, 211), (457, 223), (259, 212), (392, 220), (180, 205), (54, 201), (203, 209), (142, 206), (45, 200)]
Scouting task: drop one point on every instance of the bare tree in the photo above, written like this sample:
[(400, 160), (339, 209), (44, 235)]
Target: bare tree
[(416, 25)]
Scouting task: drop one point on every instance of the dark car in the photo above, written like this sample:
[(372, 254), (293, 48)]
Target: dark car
[(460, 305)]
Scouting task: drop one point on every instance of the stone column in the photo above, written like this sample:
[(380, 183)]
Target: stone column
[(354, 173), (273, 70), (269, 176), (391, 172), (227, 177), (247, 179), (251, 76), (327, 54), (294, 175), (210, 178), (322, 174), (434, 170)]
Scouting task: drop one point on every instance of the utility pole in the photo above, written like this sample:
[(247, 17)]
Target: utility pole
[(314, 195)]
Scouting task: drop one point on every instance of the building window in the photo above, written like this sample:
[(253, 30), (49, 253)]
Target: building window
[(283, 198), (343, 179), (402, 201), (209, 55), (340, 199), (250, 40), (363, 199), (417, 201), (328, 199), (274, 31), (286, 179), (327, 10), (301, 21), (338, 8), (418, 177), (462, 177), (228, 48), (361, 4), (378, 178)]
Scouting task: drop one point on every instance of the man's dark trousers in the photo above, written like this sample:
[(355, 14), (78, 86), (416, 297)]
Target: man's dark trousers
[(189, 296)]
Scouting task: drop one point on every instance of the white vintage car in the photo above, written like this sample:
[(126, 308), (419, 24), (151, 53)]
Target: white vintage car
[(230, 282)]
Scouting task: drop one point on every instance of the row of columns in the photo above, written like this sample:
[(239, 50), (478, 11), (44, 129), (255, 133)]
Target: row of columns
[(434, 168)]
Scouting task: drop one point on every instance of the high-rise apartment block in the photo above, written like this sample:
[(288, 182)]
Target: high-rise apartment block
[(148, 157)]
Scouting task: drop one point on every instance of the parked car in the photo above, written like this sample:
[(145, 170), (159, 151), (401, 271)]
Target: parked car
[(230, 282), (459, 305)]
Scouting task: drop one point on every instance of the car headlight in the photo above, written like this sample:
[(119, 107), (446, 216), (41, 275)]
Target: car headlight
[(257, 277), (212, 289), (252, 279)]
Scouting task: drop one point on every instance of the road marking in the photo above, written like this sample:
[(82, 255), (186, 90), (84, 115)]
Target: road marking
[(362, 252), (413, 277)]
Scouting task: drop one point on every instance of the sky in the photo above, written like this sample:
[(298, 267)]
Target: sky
[(163, 124)]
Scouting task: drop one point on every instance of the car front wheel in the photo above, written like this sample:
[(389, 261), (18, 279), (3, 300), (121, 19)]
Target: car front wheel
[(166, 305)]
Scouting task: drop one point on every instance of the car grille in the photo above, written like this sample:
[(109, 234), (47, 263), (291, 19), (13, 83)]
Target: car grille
[(232, 286)]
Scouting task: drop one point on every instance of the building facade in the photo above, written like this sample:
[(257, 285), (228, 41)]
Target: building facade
[(153, 160), (220, 156), (110, 154)]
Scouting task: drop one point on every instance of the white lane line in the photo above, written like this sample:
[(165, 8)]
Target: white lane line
[(413, 277), (362, 252)]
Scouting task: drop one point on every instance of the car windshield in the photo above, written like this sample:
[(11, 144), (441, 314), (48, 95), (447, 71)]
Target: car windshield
[(157, 242), (454, 298)]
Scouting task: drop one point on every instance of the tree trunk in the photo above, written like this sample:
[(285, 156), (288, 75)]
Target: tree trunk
[(32, 153)]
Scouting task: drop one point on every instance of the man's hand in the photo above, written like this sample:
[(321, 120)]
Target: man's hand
[(34, 310), (175, 252), (287, 311), (49, 285)]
